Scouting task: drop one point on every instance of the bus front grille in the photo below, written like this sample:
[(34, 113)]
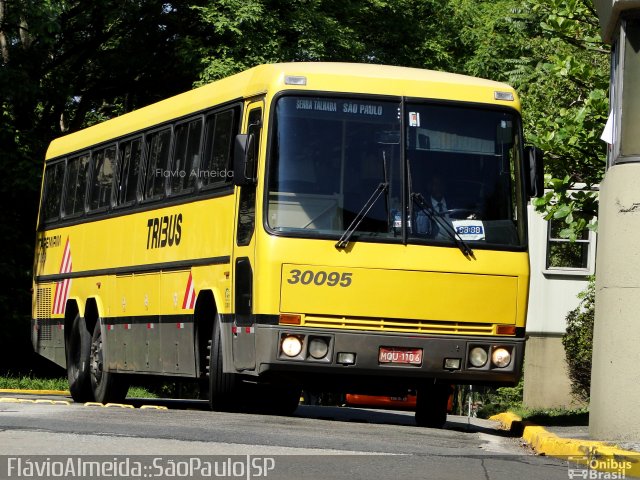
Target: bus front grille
[(400, 325)]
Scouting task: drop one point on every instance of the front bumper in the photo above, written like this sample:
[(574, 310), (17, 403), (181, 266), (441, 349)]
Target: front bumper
[(270, 360)]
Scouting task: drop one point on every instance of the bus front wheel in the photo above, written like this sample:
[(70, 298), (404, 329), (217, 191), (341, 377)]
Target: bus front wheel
[(431, 405), (78, 351), (106, 386)]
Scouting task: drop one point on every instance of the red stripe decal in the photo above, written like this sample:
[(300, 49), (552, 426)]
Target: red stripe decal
[(63, 287), (189, 301)]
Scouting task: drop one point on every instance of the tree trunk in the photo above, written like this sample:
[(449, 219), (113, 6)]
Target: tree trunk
[(4, 46)]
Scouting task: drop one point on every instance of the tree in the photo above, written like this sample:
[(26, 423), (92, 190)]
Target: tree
[(551, 52), (241, 34), (64, 65)]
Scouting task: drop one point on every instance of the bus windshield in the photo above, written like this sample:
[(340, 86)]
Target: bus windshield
[(459, 167)]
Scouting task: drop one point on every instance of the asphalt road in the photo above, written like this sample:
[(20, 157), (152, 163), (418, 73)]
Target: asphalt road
[(316, 443)]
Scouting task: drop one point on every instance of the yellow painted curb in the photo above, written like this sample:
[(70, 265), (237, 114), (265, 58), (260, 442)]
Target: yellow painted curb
[(38, 401), (598, 455), (153, 407), (53, 402), (506, 419), (118, 405), (35, 392)]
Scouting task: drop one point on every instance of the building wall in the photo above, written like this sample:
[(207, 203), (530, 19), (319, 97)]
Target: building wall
[(546, 380), (553, 293)]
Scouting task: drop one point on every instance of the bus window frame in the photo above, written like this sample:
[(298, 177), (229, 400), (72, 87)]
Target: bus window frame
[(102, 147), (164, 194), (523, 244), (44, 196), (237, 109), (136, 200), (63, 197), (174, 125), (140, 204)]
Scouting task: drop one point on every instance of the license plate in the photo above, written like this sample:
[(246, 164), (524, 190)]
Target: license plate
[(404, 356)]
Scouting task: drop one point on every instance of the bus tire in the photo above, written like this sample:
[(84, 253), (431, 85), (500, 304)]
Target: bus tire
[(107, 387), (78, 372), (431, 405), (223, 387)]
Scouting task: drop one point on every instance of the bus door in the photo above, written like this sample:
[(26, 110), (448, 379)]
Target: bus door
[(243, 338)]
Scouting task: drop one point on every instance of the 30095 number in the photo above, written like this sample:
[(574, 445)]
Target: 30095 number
[(330, 279)]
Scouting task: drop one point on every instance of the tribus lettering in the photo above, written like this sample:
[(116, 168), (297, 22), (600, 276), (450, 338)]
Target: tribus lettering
[(164, 231)]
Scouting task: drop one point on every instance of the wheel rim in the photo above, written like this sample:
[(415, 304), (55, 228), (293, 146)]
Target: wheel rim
[(95, 362), (76, 354)]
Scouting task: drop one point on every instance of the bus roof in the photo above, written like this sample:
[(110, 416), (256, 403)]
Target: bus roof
[(320, 76)]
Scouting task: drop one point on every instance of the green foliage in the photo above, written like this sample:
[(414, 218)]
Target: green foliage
[(67, 64), (578, 342), (554, 416), (247, 33), (497, 400), (551, 52), (31, 382)]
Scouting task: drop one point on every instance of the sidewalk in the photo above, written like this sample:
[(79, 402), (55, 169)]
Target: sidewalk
[(574, 445)]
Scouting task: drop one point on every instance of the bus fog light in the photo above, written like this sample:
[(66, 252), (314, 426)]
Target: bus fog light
[(291, 346), (318, 348), (478, 357), (501, 357), (346, 358), (452, 363)]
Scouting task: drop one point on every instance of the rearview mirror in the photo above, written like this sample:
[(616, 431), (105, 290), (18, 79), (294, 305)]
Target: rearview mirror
[(244, 160), (534, 171)]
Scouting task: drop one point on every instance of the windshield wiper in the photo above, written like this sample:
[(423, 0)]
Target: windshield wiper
[(443, 224), (383, 187)]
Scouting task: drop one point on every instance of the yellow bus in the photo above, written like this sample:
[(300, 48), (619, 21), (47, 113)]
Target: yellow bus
[(299, 225)]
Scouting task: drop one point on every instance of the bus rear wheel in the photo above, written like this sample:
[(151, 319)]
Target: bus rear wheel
[(106, 386), (431, 405), (224, 387), (78, 351)]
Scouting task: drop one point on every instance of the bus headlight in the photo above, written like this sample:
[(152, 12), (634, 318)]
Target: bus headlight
[(318, 348), (291, 346), (478, 357), (501, 357)]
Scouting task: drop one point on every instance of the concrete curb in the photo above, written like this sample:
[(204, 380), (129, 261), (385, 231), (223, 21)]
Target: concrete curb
[(597, 455), (64, 393)]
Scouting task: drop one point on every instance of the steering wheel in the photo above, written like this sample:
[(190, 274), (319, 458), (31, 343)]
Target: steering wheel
[(464, 213)]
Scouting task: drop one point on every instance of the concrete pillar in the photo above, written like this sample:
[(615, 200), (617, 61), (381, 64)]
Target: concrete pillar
[(615, 376)]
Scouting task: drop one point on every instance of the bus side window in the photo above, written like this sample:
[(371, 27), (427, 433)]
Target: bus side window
[(53, 179), (130, 156), (220, 132), (102, 179), (186, 156), (76, 185), (158, 144)]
